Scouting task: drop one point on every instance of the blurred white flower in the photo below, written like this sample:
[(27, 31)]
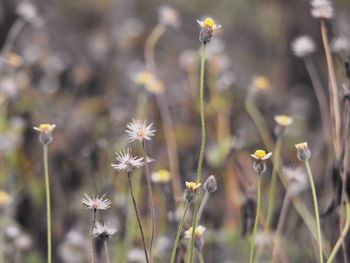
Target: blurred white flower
[(296, 178), (73, 248), (104, 230), (138, 131), (168, 16), (322, 9), (303, 46), (341, 44), (126, 162), (29, 13)]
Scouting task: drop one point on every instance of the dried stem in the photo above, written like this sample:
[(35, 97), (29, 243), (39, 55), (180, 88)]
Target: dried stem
[(204, 202), (150, 199), (138, 217)]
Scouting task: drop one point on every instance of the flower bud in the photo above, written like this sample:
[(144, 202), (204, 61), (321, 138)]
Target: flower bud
[(303, 151), (259, 166), (189, 196), (210, 185), (45, 136)]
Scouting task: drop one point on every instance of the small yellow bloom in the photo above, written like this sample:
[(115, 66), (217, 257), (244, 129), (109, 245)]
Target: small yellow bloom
[(303, 151), (4, 198), (13, 59), (208, 23), (45, 128), (192, 186), (162, 176), (198, 232), (261, 155), (261, 83), (149, 81), (302, 146), (283, 120)]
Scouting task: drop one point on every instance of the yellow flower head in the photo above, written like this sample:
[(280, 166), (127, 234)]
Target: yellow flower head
[(162, 176), (302, 146), (4, 198), (149, 81), (192, 186), (208, 23), (283, 120), (45, 128), (261, 83), (198, 232), (303, 151), (261, 155)]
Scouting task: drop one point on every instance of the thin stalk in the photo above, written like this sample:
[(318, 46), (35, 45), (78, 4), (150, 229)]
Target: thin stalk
[(314, 197), (204, 202), (106, 251), (200, 257), (150, 199), (178, 234), (138, 217), (333, 91), (201, 153), (12, 36), (48, 204), (272, 192), (252, 242), (281, 221), (342, 235), (258, 119), (91, 247)]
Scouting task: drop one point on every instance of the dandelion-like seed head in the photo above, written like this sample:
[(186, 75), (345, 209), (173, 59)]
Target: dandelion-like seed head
[(126, 162), (45, 136), (296, 178), (168, 16), (341, 44), (303, 46), (161, 176), (261, 155), (139, 131), (303, 151), (261, 83), (322, 9), (283, 120), (208, 26), (210, 185), (96, 202), (149, 81), (104, 230), (192, 186)]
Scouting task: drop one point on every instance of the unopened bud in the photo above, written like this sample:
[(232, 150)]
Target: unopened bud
[(303, 151), (210, 185)]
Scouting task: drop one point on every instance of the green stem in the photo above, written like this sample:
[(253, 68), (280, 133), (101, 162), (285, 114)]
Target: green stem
[(342, 235), (252, 242), (201, 153), (48, 205), (200, 257), (179, 230), (314, 197)]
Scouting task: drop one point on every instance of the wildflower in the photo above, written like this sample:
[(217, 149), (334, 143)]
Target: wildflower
[(104, 230), (127, 162), (260, 157), (4, 199), (192, 186), (283, 121), (149, 81), (139, 131), (190, 192), (96, 203), (162, 176), (210, 184), (303, 151), (207, 27), (322, 9), (303, 46), (341, 44), (45, 130), (261, 83), (198, 235), (168, 16), (296, 178)]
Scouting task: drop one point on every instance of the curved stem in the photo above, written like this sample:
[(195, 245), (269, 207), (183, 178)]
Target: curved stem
[(179, 230), (201, 208), (138, 217), (48, 205), (252, 242), (342, 235), (314, 197), (201, 153), (150, 199)]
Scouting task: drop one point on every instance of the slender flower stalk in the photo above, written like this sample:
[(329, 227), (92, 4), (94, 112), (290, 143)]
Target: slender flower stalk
[(106, 251), (252, 241), (178, 234), (138, 217), (104, 232), (91, 242)]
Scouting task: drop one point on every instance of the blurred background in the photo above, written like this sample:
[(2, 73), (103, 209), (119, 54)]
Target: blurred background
[(76, 64)]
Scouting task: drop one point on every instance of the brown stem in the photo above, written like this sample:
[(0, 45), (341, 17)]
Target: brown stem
[(150, 199), (137, 216)]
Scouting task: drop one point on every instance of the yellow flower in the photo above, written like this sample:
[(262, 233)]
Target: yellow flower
[(149, 81), (208, 23), (283, 120), (261, 155), (261, 83), (4, 198), (303, 151), (45, 128), (162, 176), (301, 146), (192, 186), (198, 232)]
